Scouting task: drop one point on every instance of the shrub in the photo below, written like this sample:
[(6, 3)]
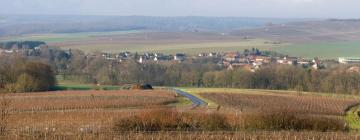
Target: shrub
[(169, 120), (142, 87), (283, 120)]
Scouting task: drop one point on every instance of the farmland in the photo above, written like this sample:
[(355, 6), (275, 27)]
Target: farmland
[(65, 100), (292, 104), (101, 114), (328, 50), (148, 41), (70, 111), (65, 37), (324, 39), (188, 42), (246, 101)]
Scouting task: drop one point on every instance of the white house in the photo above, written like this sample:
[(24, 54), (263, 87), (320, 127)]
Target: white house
[(212, 54), (349, 60), (142, 59), (179, 57), (232, 57)]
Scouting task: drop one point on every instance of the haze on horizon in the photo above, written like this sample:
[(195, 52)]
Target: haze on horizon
[(219, 8)]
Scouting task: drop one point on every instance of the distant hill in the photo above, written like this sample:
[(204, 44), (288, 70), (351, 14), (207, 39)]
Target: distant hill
[(18, 25), (307, 31)]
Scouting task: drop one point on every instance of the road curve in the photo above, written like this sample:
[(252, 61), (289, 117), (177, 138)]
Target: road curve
[(195, 100)]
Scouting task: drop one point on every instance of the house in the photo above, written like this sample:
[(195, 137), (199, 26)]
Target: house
[(179, 57), (245, 60), (161, 58), (37, 48), (213, 54), (158, 55), (232, 57), (263, 59), (142, 59), (349, 60), (108, 56), (288, 60), (316, 60), (257, 64), (243, 66), (123, 55), (316, 63), (201, 54), (251, 58), (148, 55), (303, 62), (127, 54), (9, 51)]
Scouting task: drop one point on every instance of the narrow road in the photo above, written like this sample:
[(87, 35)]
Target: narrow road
[(195, 100)]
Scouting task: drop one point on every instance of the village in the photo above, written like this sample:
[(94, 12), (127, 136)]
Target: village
[(250, 60)]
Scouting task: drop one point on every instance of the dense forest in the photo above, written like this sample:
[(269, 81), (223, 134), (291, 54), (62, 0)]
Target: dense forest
[(201, 72)]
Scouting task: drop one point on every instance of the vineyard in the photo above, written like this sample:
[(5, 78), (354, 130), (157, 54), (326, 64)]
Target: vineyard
[(161, 114), (67, 100), (313, 105), (79, 111)]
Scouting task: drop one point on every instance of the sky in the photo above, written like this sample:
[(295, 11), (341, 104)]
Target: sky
[(218, 8)]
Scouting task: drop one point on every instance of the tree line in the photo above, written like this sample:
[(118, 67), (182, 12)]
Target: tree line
[(206, 73), (21, 44), (284, 77)]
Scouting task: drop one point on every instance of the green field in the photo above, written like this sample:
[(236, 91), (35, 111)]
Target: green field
[(329, 50), (171, 48), (85, 87)]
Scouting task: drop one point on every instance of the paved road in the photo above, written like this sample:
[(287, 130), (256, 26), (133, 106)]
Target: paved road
[(195, 100)]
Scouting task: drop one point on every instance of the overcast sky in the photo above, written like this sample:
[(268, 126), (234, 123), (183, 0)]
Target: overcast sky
[(238, 8)]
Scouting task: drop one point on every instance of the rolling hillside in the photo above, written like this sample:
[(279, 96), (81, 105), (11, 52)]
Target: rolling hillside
[(307, 31), (35, 24)]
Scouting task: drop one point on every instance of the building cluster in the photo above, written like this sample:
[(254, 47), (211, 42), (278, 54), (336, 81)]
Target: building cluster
[(143, 58), (23, 50), (230, 60), (349, 60), (253, 62)]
